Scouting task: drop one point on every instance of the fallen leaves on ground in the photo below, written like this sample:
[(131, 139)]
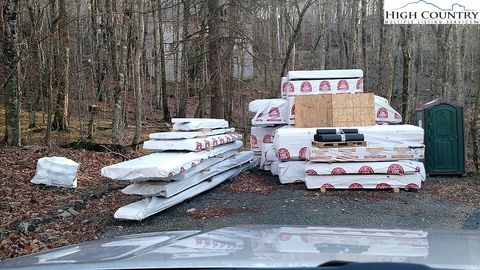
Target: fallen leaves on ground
[(248, 182), (38, 217)]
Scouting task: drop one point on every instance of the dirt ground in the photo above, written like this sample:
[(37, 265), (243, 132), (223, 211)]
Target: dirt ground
[(36, 218)]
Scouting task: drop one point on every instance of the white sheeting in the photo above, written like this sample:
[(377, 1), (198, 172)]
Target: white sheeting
[(291, 172), (162, 165), (168, 189), (178, 135), (283, 93), (201, 166), (260, 135), (291, 110), (367, 181), (318, 87), (274, 167), (295, 143), (149, 206), (384, 113), (195, 144), (378, 153), (56, 171), (189, 124), (397, 167), (269, 111), (324, 74), (268, 156)]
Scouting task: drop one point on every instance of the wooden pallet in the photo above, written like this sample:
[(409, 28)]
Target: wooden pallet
[(338, 144)]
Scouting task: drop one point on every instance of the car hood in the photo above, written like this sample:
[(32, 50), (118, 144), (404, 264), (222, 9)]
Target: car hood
[(262, 246)]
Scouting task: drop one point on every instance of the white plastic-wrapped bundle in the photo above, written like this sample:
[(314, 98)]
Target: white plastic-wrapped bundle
[(384, 113), (291, 172), (56, 171), (295, 143), (195, 144), (260, 135), (324, 74), (364, 181), (149, 206), (179, 135), (283, 92), (274, 167), (319, 87), (190, 124), (291, 111), (368, 153), (163, 165), (269, 111), (397, 167), (168, 189), (268, 156)]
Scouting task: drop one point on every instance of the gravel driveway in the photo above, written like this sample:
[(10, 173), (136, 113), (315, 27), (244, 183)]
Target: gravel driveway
[(258, 198)]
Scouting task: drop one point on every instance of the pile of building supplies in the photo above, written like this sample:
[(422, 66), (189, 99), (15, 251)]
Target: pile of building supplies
[(348, 140), (197, 155)]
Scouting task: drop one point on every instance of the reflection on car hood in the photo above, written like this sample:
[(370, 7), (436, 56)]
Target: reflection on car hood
[(262, 246)]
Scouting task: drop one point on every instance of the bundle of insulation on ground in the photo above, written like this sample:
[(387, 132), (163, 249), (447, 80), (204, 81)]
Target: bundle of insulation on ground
[(197, 155)]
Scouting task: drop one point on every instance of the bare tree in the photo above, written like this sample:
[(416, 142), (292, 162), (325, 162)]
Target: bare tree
[(60, 120), (407, 57), (215, 59), (137, 74), (10, 59)]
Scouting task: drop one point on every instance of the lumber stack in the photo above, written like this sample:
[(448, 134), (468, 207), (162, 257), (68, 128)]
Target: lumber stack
[(197, 155)]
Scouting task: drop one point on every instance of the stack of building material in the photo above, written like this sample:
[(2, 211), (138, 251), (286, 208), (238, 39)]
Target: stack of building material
[(338, 162), (196, 156), (390, 143)]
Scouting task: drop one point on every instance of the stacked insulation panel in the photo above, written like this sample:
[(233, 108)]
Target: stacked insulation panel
[(196, 156), (360, 164)]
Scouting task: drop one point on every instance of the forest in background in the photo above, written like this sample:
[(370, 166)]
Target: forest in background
[(129, 66)]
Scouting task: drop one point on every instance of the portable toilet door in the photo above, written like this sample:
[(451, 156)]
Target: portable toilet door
[(444, 139)]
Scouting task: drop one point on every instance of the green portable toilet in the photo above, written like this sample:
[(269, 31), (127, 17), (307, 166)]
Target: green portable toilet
[(444, 139)]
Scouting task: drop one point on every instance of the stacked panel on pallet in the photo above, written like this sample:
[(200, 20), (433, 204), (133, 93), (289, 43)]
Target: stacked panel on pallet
[(195, 151), (346, 161)]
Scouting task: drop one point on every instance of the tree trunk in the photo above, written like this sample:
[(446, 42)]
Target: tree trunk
[(60, 120), (476, 112), (341, 41), (157, 20), (215, 60), (183, 94), (293, 38), (166, 110), (457, 65), (137, 76), (406, 51), (10, 60), (364, 43)]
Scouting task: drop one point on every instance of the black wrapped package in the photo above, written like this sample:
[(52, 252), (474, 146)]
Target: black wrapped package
[(338, 137), (336, 131)]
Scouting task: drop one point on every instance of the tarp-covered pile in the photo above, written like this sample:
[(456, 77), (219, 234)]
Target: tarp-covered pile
[(196, 156)]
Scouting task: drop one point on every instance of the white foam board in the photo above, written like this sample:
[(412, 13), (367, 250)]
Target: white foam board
[(368, 153), (178, 135), (260, 135), (295, 143), (269, 111), (168, 189), (324, 74), (162, 165), (149, 206), (364, 181), (190, 124), (397, 167), (195, 144), (291, 172), (268, 156)]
